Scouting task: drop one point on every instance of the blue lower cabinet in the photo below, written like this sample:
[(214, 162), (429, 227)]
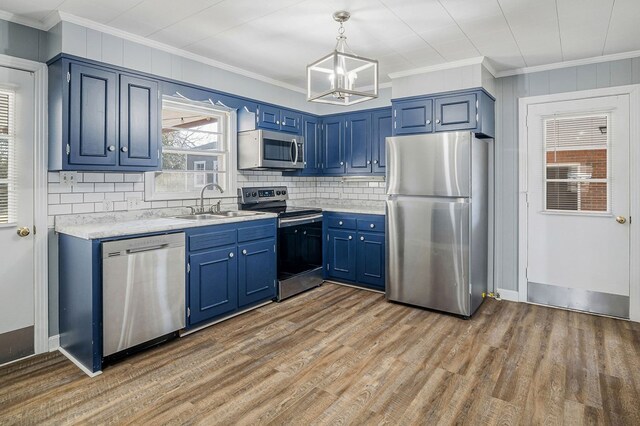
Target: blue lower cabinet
[(256, 271), (231, 267), (370, 263), (213, 283), (355, 249), (341, 263)]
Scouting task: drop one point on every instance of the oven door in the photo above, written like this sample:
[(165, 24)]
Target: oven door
[(299, 249)]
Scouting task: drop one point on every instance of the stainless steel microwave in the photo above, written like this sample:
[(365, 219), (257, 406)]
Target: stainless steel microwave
[(265, 149)]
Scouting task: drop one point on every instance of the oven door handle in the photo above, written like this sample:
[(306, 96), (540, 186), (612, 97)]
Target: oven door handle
[(300, 220)]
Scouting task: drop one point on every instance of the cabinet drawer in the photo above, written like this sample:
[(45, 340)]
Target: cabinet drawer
[(371, 225), (211, 239), (251, 233), (341, 222)]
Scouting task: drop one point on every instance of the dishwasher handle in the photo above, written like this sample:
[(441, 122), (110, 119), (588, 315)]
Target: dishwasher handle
[(150, 248)]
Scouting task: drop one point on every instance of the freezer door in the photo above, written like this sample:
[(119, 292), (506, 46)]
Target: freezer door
[(428, 253), (436, 164)]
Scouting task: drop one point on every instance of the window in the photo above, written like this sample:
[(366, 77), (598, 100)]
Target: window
[(7, 158), (577, 163), (197, 149)]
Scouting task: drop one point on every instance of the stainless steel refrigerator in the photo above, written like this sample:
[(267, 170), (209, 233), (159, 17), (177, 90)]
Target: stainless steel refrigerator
[(437, 221)]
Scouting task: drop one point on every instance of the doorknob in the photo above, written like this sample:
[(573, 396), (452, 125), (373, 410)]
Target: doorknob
[(621, 219), (24, 231)]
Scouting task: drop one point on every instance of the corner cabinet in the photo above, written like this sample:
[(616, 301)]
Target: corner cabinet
[(355, 249), (230, 268), (102, 119), (462, 110)]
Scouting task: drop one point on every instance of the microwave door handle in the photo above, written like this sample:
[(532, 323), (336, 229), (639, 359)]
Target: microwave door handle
[(295, 145)]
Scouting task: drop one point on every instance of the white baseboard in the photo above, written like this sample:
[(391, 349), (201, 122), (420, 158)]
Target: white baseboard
[(78, 364), (54, 343), (511, 295)]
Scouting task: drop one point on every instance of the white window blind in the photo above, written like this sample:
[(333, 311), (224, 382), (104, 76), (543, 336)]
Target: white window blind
[(7, 158), (577, 163)]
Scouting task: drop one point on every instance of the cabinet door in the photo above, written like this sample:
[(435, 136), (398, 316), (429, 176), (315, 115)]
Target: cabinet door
[(342, 254), (333, 145), (370, 263), (256, 271), (456, 113), (139, 122), (310, 131), (92, 116), (290, 121), (358, 143), (268, 117), (381, 130), (213, 284), (413, 116)]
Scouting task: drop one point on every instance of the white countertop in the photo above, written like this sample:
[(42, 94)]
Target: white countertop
[(109, 229)]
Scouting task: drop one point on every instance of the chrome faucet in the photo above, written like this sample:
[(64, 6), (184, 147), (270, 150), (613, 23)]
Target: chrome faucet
[(213, 184)]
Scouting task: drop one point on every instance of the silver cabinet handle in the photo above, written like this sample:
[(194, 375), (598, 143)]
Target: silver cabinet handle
[(368, 161), (111, 148), (304, 232), (428, 121), (372, 226), (361, 238), (244, 252), (350, 237), (277, 122), (375, 161), (340, 223), (437, 121), (231, 254), (342, 163), (124, 149)]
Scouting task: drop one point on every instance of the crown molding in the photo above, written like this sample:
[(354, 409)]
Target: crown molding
[(439, 67), (567, 64), (18, 19), (72, 19)]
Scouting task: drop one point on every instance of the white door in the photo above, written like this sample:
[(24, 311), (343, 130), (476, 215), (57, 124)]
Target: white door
[(16, 211), (578, 230)]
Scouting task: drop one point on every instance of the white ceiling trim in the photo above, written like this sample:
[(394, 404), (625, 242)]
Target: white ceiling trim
[(28, 22), (567, 64), (445, 66), (66, 17)]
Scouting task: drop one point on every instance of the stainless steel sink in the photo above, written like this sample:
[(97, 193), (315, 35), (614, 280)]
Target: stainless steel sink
[(217, 216)]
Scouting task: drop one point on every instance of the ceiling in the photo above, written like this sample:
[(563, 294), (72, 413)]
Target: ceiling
[(278, 38)]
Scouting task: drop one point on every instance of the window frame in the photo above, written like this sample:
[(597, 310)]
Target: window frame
[(546, 210), (229, 117)]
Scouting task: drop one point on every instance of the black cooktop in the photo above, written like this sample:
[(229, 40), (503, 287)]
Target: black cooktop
[(285, 211)]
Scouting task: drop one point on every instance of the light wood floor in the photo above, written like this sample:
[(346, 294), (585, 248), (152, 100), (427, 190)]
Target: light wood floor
[(339, 355)]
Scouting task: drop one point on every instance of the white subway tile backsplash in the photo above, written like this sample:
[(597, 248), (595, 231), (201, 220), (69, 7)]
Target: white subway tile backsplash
[(123, 187), (93, 177), (58, 188), (133, 177), (113, 177), (93, 197), (54, 199), (56, 209), (114, 196), (104, 187), (84, 187), (83, 208), (71, 198)]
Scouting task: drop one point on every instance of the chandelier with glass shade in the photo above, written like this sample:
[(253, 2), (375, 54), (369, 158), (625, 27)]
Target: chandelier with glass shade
[(342, 77)]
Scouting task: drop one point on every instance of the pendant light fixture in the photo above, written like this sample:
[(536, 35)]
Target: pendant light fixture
[(342, 77)]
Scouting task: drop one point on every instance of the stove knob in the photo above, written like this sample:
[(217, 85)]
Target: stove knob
[(254, 194), (284, 192), (277, 192), (248, 194)]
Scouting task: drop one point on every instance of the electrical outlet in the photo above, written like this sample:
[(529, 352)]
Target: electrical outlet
[(134, 203), (68, 178), (107, 205)]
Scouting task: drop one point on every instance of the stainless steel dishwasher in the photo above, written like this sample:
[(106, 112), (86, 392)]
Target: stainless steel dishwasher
[(143, 290)]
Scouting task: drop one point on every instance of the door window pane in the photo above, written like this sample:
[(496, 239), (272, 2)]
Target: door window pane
[(7, 160), (577, 163)]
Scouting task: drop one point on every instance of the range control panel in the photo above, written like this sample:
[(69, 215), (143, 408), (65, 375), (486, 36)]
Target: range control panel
[(262, 194)]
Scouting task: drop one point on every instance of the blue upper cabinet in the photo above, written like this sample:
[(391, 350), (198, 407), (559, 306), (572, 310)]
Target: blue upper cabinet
[(456, 113), (333, 145), (92, 103), (139, 122), (381, 121), (273, 118), (414, 116), (462, 110), (311, 133), (358, 143), (102, 119)]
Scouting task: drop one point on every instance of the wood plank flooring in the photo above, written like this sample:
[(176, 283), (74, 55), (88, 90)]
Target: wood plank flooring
[(339, 355)]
